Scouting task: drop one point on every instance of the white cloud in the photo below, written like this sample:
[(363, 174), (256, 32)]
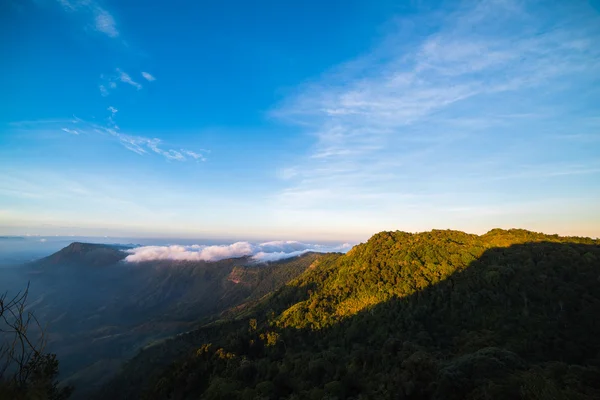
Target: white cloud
[(148, 76), (125, 78), (103, 21), (396, 124), (263, 252), (109, 81), (67, 5), (141, 145), (194, 155), (153, 144), (138, 144), (262, 256)]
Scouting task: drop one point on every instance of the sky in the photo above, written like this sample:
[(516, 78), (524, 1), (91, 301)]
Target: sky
[(298, 120)]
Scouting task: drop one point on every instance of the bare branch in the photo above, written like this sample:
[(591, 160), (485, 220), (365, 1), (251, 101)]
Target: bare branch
[(17, 348)]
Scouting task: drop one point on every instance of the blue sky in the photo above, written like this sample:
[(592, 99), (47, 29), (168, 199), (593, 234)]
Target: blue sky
[(298, 120)]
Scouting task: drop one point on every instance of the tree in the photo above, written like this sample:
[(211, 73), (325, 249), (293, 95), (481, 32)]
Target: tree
[(26, 371)]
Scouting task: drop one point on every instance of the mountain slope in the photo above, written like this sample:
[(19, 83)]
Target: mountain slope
[(441, 315), (100, 310), (85, 254)]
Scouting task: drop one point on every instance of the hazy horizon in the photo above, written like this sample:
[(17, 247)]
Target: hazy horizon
[(19, 249)]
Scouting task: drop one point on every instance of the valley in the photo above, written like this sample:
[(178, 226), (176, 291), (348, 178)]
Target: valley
[(98, 311)]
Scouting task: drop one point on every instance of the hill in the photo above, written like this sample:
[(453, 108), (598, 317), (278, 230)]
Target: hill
[(435, 315), (100, 310), (87, 254), (8, 238)]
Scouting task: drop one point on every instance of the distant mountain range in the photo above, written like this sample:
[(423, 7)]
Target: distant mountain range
[(101, 310), (12, 238)]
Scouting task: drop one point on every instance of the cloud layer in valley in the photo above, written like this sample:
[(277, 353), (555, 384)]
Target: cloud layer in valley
[(263, 252)]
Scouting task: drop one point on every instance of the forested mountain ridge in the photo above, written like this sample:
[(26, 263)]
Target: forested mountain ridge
[(397, 264), (440, 315)]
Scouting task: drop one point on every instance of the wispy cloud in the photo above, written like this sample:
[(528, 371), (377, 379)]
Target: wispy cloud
[(125, 78), (391, 125), (138, 144), (109, 81), (105, 23), (262, 252), (101, 20), (67, 5), (111, 118), (194, 155), (153, 144), (108, 84), (147, 76), (144, 145)]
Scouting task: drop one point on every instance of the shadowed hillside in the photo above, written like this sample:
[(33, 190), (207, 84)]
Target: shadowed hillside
[(440, 315), (100, 310)]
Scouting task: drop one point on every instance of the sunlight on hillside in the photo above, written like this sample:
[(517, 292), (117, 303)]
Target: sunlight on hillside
[(395, 265)]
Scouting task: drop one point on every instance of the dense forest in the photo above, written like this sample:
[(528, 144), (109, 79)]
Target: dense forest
[(434, 315)]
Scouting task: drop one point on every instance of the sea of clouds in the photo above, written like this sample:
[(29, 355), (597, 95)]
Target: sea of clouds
[(262, 252)]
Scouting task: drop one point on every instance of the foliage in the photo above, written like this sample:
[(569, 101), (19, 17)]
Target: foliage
[(102, 311), (435, 315), (26, 371)]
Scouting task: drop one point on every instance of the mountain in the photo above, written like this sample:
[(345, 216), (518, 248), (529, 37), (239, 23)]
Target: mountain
[(85, 254), (101, 310), (435, 315), (10, 238)]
